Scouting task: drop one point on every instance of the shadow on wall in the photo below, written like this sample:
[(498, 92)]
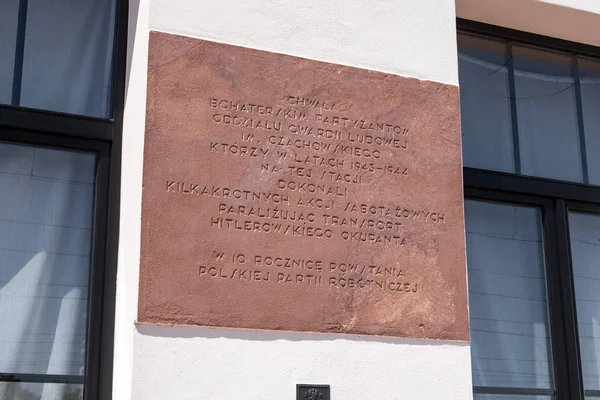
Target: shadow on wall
[(550, 17), (185, 332)]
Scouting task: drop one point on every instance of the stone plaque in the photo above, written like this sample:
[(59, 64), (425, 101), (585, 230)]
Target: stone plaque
[(289, 194)]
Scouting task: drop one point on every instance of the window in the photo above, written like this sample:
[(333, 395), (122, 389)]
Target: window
[(62, 74), (531, 130), (45, 257), (58, 55), (507, 290)]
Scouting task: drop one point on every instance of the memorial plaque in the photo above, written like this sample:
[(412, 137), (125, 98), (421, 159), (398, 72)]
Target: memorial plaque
[(313, 392), (289, 194)]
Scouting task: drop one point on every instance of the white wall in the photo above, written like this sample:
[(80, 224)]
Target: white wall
[(411, 38), (186, 363), (131, 198), (575, 20)]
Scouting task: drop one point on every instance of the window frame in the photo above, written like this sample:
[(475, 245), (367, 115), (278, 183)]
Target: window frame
[(20, 125), (555, 199)]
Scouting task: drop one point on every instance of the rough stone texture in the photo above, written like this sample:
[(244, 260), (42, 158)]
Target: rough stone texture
[(381, 214)]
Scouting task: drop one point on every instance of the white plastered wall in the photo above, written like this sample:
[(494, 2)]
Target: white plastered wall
[(131, 198), (410, 38), (187, 363)]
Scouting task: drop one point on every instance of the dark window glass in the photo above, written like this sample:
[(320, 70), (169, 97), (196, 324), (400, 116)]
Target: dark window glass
[(589, 70), (585, 248), (533, 231), (528, 110), (47, 199), (66, 52), (546, 114), (40, 391), (485, 106), (9, 11), (510, 341), (510, 397)]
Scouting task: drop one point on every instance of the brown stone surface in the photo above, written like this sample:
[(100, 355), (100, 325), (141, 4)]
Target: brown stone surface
[(285, 193)]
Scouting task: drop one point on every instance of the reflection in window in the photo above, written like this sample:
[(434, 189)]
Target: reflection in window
[(40, 391), (546, 114), (47, 199), (507, 298), (585, 250), (66, 52), (529, 111), (510, 397), (589, 70), (485, 106), (9, 11)]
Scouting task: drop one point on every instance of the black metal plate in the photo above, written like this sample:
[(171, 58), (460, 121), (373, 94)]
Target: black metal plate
[(313, 392)]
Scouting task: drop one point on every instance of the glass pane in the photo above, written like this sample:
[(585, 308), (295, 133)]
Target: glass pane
[(589, 71), (511, 397), (484, 104), (9, 11), (510, 345), (546, 115), (585, 250), (39, 391), (45, 239), (68, 56)]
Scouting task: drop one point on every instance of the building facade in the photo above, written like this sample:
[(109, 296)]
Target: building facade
[(485, 115)]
